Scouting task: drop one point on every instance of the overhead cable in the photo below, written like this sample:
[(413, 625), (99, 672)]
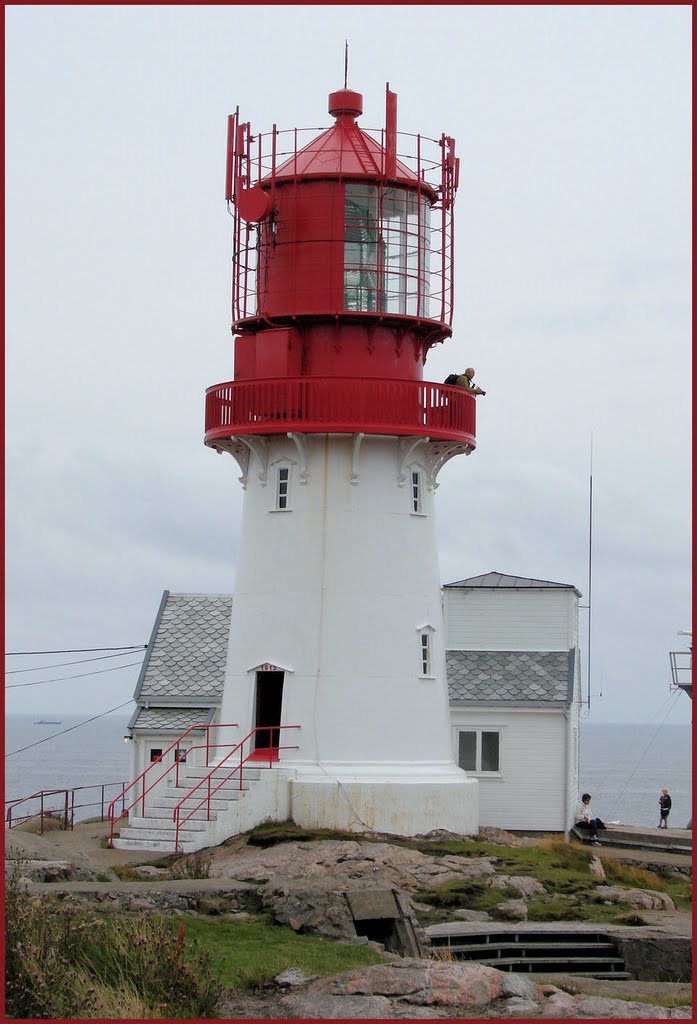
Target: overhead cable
[(78, 650), (80, 675), (64, 664)]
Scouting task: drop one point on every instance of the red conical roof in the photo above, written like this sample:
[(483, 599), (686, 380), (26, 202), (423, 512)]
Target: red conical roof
[(344, 150)]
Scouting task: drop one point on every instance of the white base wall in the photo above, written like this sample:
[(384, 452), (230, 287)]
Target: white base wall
[(406, 807)]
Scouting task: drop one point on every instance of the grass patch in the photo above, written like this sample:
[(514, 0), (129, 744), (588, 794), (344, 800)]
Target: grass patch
[(128, 873), (470, 895), (191, 865), (678, 887), (179, 865), (273, 832), (54, 821), (250, 952)]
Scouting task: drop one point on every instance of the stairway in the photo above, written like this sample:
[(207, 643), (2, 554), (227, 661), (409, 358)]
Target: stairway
[(567, 950), (155, 830)]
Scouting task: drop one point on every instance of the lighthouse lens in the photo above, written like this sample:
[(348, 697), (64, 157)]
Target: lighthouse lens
[(386, 251)]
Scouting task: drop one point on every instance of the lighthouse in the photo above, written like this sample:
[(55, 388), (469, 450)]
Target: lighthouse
[(342, 283)]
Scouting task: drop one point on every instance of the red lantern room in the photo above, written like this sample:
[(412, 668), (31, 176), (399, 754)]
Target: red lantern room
[(342, 281)]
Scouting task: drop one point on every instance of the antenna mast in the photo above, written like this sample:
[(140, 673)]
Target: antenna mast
[(590, 569)]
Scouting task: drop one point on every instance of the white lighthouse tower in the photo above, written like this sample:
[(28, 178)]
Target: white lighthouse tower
[(342, 283)]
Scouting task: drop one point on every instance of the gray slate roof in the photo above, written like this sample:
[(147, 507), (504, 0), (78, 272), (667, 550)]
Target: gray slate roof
[(185, 659), (500, 581), (176, 720), (510, 677)]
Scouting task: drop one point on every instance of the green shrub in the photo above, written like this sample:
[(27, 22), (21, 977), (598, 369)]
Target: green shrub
[(272, 832), (192, 865), (61, 963)]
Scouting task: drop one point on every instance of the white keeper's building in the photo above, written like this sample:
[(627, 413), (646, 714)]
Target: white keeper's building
[(513, 672)]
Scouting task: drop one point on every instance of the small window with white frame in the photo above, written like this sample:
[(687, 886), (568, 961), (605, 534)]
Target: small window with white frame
[(425, 654), (416, 492), (282, 501), (479, 751), (426, 650)]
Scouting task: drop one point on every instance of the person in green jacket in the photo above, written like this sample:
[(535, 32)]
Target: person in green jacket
[(465, 381)]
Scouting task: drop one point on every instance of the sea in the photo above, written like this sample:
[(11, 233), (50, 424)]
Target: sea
[(623, 767)]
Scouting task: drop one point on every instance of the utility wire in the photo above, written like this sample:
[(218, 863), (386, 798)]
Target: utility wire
[(69, 729), (646, 750), (64, 664), (80, 675), (78, 650)]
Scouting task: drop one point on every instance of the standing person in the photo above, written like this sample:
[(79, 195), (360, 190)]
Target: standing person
[(465, 380), (585, 820), (665, 803)]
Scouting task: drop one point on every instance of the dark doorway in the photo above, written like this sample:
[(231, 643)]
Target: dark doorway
[(268, 710)]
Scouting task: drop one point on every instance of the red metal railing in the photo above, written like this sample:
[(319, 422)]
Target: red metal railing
[(340, 405), (256, 157), (207, 746), (64, 808), (208, 779)]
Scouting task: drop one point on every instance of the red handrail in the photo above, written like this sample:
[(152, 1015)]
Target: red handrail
[(238, 767), (67, 810), (340, 405), (192, 728)]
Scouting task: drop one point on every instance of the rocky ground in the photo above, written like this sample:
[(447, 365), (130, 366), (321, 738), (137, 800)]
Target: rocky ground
[(305, 884)]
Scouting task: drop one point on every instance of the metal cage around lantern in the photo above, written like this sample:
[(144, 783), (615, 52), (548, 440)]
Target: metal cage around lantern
[(392, 232)]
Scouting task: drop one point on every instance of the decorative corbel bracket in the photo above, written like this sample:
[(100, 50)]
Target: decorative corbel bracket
[(259, 447), (355, 451), (240, 454), (406, 448), (300, 442), (439, 453)]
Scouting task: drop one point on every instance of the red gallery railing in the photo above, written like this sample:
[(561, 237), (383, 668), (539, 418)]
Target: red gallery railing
[(340, 405)]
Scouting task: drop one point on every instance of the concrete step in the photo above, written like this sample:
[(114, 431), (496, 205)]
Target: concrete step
[(536, 951), (149, 845), (556, 964), (167, 823), (174, 795), (196, 772), (166, 809), (526, 949), (155, 835), (162, 806), (640, 838), (600, 975)]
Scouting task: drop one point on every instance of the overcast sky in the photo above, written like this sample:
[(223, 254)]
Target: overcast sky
[(572, 300)]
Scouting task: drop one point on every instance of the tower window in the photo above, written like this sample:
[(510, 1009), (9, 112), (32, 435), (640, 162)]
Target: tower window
[(282, 487), (416, 503), (425, 654)]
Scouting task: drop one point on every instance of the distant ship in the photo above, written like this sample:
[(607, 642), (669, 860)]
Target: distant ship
[(49, 721)]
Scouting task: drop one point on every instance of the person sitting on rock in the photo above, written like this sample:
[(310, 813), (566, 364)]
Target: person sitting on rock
[(584, 819)]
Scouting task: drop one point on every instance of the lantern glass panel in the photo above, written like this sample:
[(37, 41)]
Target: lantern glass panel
[(386, 251)]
